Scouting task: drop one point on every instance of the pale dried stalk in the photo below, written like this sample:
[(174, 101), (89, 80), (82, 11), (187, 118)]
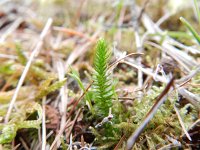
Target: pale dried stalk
[(182, 124), (8, 56), (188, 77), (192, 98), (146, 71), (64, 98), (138, 42), (43, 124), (11, 29), (180, 56), (26, 69)]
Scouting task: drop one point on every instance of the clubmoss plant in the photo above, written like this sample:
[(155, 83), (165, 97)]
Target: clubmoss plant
[(103, 87)]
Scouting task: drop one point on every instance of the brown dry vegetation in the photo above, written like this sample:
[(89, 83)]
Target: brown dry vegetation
[(47, 50)]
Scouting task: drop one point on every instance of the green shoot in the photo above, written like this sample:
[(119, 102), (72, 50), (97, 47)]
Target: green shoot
[(103, 87)]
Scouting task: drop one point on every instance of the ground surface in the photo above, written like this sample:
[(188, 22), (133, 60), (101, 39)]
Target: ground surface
[(50, 80)]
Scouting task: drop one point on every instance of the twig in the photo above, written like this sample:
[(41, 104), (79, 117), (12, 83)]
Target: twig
[(119, 23), (23, 76), (163, 18), (76, 19), (180, 56), (159, 101), (47, 137), (139, 59)]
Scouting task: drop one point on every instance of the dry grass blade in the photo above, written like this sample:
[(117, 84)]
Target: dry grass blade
[(192, 98), (16, 147), (70, 113), (53, 64), (121, 59), (74, 121), (8, 56), (58, 135), (76, 103), (61, 130), (21, 80), (120, 142), (11, 29), (182, 123), (74, 32), (81, 50), (188, 77), (63, 93), (146, 71), (24, 144), (176, 55), (43, 124), (159, 101)]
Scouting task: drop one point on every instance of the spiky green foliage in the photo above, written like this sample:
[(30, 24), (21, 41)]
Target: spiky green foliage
[(102, 80)]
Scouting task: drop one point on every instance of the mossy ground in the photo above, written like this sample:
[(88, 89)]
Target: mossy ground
[(60, 77)]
